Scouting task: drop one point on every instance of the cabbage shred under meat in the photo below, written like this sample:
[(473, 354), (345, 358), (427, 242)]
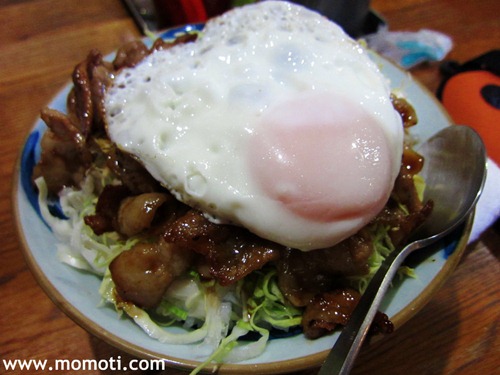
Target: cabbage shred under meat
[(215, 317)]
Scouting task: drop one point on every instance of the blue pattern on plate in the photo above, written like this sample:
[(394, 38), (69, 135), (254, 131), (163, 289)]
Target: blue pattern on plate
[(29, 158), (172, 33), (450, 247), (28, 162)]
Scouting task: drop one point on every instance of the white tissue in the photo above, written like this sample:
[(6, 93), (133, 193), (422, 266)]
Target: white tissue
[(408, 49), (488, 206)]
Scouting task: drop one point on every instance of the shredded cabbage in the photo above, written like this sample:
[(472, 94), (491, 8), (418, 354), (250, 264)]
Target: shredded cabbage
[(78, 245), (382, 248), (209, 315), (215, 318)]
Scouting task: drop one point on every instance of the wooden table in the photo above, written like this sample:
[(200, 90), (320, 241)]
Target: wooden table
[(41, 41)]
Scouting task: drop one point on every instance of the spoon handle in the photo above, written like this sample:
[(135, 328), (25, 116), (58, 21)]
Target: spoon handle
[(341, 358)]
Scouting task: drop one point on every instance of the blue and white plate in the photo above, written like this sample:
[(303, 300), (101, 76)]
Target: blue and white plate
[(77, 293)]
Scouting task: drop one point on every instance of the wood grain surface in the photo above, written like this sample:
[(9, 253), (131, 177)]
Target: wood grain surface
[(42, 40)]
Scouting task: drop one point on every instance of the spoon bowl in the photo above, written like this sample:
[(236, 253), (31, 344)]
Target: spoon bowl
[(454, 172)]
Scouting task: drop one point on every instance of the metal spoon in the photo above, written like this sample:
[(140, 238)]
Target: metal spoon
[(454, 171)]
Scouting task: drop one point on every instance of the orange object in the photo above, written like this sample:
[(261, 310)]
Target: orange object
[(472, 98)]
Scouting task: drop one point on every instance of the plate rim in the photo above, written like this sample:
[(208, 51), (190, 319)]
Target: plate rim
[(276, 367)]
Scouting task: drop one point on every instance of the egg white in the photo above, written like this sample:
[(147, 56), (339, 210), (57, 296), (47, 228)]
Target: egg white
[(190, 113)]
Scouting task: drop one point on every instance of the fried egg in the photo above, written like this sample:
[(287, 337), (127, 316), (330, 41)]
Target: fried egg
[(273, 119)]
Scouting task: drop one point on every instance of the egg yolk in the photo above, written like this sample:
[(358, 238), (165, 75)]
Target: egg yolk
[(322, 157)]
